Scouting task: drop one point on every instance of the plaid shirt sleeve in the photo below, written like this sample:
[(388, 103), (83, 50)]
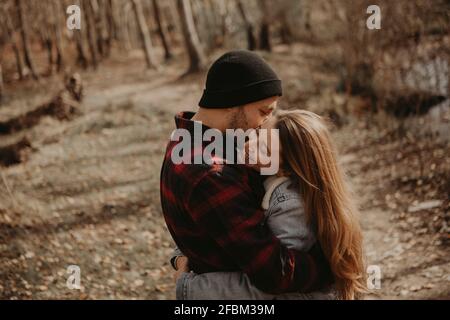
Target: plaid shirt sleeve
[(224, 207)]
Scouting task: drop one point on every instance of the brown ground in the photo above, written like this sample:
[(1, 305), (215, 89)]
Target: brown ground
[(87, 192)]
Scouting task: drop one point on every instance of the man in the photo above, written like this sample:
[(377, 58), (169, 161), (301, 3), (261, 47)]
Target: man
[(213, 210)]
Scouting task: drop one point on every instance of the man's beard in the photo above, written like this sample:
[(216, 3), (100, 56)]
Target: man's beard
[(238, 120)]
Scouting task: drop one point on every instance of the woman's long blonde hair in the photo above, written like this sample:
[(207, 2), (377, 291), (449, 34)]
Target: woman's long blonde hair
[(309, 157)]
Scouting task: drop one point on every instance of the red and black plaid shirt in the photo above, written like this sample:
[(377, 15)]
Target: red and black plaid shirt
[(214, 216)]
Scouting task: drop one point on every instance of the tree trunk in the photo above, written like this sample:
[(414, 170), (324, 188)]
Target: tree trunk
[(116, 18), (57, 10), (82, 55), (199, 25), (98, 9), (125, 22), (15, 47), (48, 42), (90, 32), (144, 33), (173, 23), (19, 64), (251, 38), (46, 31), (110, 20), (107, 27), (285, 28), (223, 23), (2, 87), (25, 38), (161, 32), (264, 34), (264, 37), (96, 24), (81, 51), (110, 25), (207, 11), (197, 60)]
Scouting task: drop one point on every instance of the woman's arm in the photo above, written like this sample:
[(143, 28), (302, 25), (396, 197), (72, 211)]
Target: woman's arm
[(218, 286), (288, 222), (214, 285)]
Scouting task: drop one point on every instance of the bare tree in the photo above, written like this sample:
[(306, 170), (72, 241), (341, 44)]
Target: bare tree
[(285, 29), (25, 37), (251, 39), (98, 10), (91, 34), (3, 40), (8, 25), (45, 32), (111, 21), (161, 32), (56, 11), (172, 18), (126, 22), (209, 25), (264, 33), (2, 87), (197, 60), (144, 33), (82, 59), (224, 17), (116, 13)]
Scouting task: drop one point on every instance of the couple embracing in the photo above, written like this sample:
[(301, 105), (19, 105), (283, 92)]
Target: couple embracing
[(241, 234)]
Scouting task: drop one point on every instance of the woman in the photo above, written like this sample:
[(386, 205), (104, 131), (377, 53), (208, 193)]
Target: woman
[(306, 202)]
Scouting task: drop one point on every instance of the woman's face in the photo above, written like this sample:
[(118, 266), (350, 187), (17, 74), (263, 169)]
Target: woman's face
[(267, 144)]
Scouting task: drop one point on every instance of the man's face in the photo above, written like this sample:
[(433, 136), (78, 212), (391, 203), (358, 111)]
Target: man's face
[(253, 115)]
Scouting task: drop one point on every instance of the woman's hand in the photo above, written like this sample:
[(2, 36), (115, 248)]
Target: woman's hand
[(182, 266)]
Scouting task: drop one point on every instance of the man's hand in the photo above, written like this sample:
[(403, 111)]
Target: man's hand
[(182, 266)]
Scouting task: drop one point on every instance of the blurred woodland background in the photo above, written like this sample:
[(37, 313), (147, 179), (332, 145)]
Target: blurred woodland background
[(85, 116)]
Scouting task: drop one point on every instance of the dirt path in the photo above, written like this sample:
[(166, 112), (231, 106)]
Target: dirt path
[(89, 196), (407, 246)]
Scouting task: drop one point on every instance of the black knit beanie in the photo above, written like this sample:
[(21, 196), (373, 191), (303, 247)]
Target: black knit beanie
[(237, 78)]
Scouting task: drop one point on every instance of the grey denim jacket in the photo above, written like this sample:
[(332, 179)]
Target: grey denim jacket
[(286, 218)]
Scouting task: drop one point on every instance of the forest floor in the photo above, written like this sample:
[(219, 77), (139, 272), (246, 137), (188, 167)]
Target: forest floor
[(87, 190)]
